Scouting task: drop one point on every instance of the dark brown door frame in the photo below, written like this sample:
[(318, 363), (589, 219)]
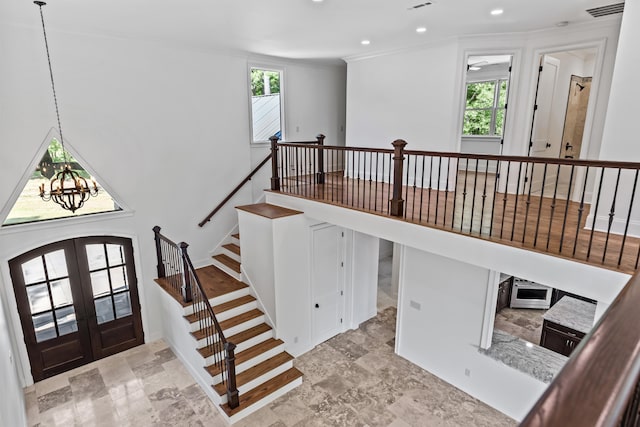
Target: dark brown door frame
[(91, 341)]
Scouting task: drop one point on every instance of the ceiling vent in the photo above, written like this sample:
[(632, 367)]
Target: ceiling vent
[(611, 9)]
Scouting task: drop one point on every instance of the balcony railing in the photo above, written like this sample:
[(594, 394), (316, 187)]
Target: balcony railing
[(583, 210)]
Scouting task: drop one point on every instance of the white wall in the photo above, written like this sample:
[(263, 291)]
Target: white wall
[(418, 94), (440, 320), (363, 277), (166, 128), (12, 406)]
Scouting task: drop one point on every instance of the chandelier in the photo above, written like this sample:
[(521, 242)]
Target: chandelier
[(68, 188)]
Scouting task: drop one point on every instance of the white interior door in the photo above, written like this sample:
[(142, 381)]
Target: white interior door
[(327, 281), (541, 130)]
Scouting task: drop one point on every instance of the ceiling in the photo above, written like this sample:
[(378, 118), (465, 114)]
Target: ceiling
[(297, 28)]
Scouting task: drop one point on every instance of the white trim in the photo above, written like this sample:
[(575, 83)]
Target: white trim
[(400, 253), (252, 288), (490, 304)]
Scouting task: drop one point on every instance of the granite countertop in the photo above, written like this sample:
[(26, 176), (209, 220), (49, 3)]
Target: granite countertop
[(572, 313), (538, 362)]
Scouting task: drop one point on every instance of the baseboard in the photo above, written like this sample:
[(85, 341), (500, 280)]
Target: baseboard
[(617, 227)]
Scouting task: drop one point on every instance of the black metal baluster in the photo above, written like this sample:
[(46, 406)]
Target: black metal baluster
[(495, 194), (429, 195), (484, 194), (464, 192), (505, 198), (612, 213), (580, 210), (353, 179), (566, 208), (406, 186), (435, 221), (390, 185), (515, 207), (358, 192), (626, 226), (528, 203), (455, 194), (553, 205), (446, 193), (595, 213), (375, 199), (544, 179), (421, 188), (415, 177), (473, 199)]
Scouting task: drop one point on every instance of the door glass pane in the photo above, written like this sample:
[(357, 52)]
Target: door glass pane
[(44, 326), (119, 279), (100, 283), (33, 271), (66, 318), (123, 305), (61, 293), (38, 298), (56, 264), (95, 256), (115, 254), (104, 310)]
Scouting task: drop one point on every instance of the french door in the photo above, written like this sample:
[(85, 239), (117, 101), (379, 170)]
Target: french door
[(78, 302)]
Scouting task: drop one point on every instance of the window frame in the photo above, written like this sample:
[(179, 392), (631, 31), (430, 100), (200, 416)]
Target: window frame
[(272, 68), (497, 83)]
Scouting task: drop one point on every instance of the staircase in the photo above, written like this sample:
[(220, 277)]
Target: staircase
[(264, 370)]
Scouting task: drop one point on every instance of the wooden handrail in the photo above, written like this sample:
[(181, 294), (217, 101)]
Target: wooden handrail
[(233, 192), (471, 156), (176, 257), (597, 383)]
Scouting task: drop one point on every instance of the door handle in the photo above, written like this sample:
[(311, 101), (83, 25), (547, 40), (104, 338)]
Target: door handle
[(568, 147), (317, 305), (568, 156), (548, 145)]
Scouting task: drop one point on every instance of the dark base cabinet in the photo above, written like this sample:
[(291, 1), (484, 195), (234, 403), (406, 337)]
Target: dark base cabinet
[(559, 338), (504, 294)]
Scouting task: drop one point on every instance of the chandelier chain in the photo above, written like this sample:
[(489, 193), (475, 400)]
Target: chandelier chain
[(53, 85)]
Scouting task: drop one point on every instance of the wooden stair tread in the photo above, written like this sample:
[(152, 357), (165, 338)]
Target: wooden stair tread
[(237, 236), (268, 210), (232, 247), (228, 261), (248, 354), (217, 283), (256, 371), (221, 308), (230, 323), (240, 337), (252, 396)]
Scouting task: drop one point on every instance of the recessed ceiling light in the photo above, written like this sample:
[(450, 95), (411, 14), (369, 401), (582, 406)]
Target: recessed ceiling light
[(317, 1), (365, 42), (474, 68), (421, 30), (496, 12)]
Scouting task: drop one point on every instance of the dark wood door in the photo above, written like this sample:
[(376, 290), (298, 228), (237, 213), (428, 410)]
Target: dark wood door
[(77, 301), (110, 294)]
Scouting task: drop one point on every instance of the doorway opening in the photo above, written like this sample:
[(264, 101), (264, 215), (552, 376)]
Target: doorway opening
[(387, 276), (560, 114), (78, 302)]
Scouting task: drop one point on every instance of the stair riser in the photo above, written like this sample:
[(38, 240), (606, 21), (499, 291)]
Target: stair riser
[(245, 345), (261, 379), (229, 314), (230, 254), (241, 367), (229, 271), (234, 241), (221, 299), (264, 402), (236, 329)]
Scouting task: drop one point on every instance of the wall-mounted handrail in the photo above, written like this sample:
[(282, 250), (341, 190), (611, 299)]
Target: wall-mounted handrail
[(183, 279), (234, 191), (599, 384)]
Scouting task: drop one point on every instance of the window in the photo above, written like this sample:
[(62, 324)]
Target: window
[(266, 104), (29, 207), (485, 109)]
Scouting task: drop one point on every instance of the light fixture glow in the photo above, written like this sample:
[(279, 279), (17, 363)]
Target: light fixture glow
[(421, 30), (496, 12), (365, 42), (474, 68)]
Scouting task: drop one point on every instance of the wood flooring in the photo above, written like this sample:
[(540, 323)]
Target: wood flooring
[(472, 207)]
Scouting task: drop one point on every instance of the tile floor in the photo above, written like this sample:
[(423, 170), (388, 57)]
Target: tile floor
[(521, 322), (354, 379)]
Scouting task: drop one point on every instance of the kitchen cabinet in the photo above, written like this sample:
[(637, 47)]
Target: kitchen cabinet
[(559, 338), (504, 293)]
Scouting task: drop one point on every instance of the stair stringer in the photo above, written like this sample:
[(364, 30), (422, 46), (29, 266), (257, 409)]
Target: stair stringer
[(268, 320)]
